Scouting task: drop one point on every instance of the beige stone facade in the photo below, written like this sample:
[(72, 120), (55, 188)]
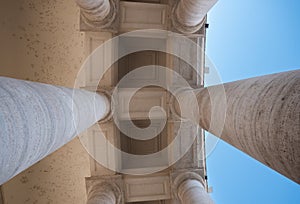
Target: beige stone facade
[(41, 41)]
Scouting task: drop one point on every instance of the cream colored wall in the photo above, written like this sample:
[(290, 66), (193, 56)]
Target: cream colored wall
[(40, 41)]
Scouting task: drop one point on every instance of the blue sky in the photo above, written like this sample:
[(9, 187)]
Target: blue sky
[(246, 39)]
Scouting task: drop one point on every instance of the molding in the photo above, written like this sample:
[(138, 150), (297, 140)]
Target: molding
[(140, 104), (147, 188), (137, 15), (191, 155), (99, 60), (100, 148), (190, 61)]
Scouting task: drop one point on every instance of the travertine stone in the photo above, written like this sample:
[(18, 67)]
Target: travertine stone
[(36, 119), (189, 188), (188, 16), (140, 189), (40, 41), (105, 190), (262, 118), (99, 13)]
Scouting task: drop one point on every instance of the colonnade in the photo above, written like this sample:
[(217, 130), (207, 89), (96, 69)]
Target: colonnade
[(259, 116)]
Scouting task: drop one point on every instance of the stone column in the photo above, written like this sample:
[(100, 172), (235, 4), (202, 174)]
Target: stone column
[(36, 119), (102, 195), (189, 188), (262, 118), (188, 16), (104, 191), (100, 13)]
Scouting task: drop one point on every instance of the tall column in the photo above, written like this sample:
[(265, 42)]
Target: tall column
[(36, 119), (262, 118), (100, 13), (105, 193), (189, 188), (189, 15)]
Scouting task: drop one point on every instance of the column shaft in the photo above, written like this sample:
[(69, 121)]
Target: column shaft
[(262, 118), (36, 119), (189, 15)]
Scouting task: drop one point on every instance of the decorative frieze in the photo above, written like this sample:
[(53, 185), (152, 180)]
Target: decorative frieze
[(147, 188), (137, 15)]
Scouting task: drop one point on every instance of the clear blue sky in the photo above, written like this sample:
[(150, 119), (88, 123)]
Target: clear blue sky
[(246, 39)]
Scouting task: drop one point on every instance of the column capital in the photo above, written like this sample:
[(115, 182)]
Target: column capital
[(110, 104), (108, 188), (180, 26), (184, 105), (190, 188), (97, 19), (180, 177)]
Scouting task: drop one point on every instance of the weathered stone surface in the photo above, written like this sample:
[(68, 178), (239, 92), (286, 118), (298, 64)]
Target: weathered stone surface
[(41, 42), (36, 119), (262, 118)]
